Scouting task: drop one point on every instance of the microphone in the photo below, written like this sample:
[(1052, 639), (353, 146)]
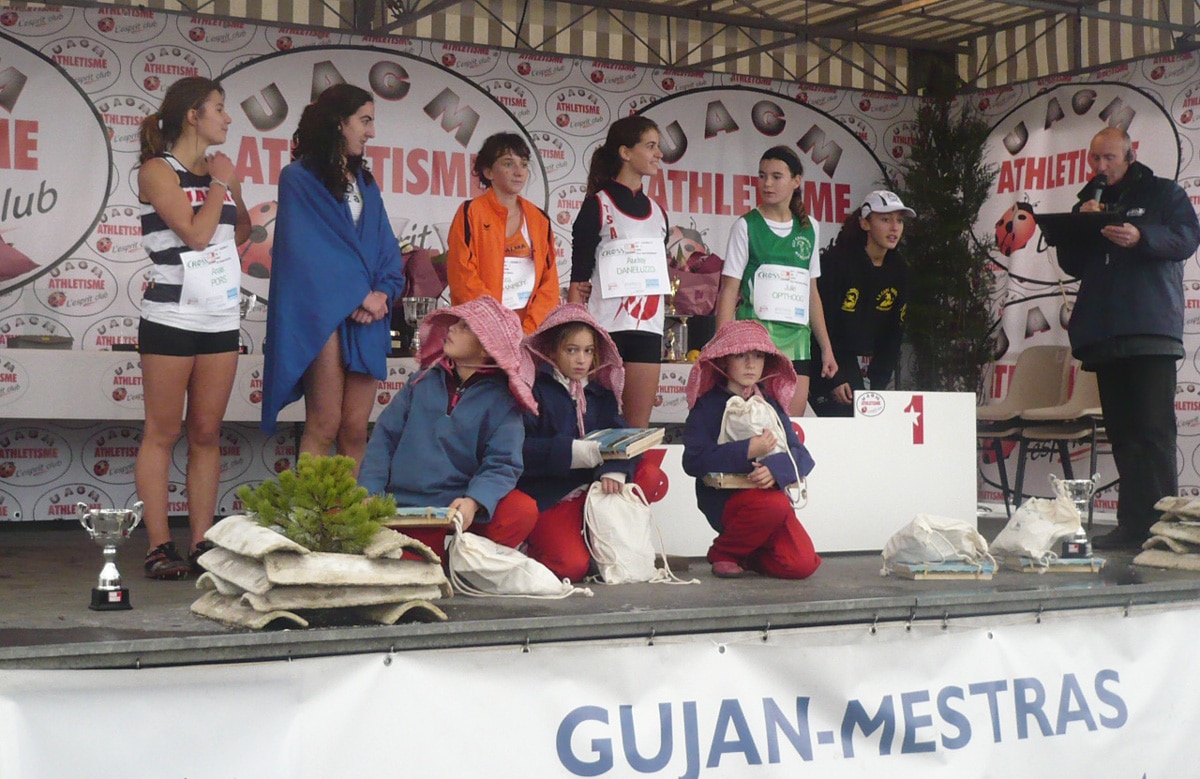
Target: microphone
[(1098, 185)]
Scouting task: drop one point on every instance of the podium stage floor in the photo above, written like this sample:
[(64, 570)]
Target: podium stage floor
[(46, 575)]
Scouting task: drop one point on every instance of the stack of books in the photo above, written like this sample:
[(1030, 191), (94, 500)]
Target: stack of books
[(419, 516), (949, 570), (729, 481), (1060, 565), (622, 443)]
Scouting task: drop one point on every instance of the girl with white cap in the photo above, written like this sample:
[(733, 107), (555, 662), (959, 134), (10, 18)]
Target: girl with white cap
[(771, 270), (865, 284), (757, 528), (453, 435)]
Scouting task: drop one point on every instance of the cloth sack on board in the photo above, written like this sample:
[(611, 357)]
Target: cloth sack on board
[(933, 539), (1035, 529), (745, 418), (619, 532), (479, 566)]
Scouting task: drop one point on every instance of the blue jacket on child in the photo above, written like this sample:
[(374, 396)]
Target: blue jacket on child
[(702, 454), (427, 457)]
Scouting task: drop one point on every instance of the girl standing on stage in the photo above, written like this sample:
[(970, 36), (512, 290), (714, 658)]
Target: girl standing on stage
[(756, 526), (336, 271), (865, 280), (515, 263), (578, 390), (771, 270), (192, 218), (619, 256)]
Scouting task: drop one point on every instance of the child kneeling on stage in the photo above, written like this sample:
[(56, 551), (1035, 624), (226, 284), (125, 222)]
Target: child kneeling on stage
[(578, 388), (757, 526), (453, 435)]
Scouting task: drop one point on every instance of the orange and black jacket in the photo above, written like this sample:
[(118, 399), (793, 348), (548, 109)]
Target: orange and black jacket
[(475, 258)]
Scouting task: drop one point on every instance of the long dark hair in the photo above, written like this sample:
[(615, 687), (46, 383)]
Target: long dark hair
[(160, 130), (852, 235), (318, 140), (606, 160), (495, 147), (792, 160)]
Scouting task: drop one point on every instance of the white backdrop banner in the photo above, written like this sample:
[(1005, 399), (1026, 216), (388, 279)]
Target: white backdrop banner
[(75, 84), (1089, 693)]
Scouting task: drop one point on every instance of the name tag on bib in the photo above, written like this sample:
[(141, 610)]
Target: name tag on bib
[(781, 294), (519, 280), (211, 278), (632, 266)]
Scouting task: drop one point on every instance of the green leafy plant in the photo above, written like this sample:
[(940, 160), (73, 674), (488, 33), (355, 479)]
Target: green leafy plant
[(320, 506), (949, 323)]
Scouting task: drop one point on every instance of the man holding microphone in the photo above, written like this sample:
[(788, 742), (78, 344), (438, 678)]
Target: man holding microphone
[(1127, 322)]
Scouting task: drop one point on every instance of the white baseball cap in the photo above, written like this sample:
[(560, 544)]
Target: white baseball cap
[(883, 202)]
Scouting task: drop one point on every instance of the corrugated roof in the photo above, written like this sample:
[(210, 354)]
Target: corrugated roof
[(863, 44)]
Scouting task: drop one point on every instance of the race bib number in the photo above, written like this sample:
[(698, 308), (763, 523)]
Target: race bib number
[(211, 278), (781, 294), (519, 281), (632, 266)]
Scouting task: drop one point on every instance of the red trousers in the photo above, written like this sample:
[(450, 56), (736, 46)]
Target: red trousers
[(762, 533), (511, 523), (557, 538)]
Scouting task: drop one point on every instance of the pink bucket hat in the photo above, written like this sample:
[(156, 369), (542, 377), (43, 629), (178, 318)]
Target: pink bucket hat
[(498, 330), (779, 377), (539, 345)]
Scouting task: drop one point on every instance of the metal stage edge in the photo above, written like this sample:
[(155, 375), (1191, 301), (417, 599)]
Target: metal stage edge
[(520, 631)]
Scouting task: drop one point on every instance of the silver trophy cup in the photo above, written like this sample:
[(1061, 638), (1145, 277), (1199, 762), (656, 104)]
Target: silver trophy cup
[(1079, 492), (109, 528), (416, 309)]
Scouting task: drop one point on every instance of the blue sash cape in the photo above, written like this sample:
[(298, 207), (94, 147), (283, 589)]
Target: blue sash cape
[(323, 266)]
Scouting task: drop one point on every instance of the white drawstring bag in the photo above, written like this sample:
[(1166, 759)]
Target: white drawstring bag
[(933, 539), (619, 532), (747, 417), (1035, 528), (481, 567)]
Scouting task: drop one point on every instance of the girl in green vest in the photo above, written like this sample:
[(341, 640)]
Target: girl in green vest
[(771, 270)]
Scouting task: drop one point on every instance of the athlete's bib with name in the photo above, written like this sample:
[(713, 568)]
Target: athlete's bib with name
[(632, 266), (520, 277), (211, 278), (781, 294)]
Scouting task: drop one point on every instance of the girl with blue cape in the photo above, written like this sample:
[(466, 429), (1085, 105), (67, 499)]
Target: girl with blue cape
[(336, 271)]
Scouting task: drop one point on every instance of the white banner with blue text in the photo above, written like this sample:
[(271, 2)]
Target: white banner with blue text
[(1086, 693)]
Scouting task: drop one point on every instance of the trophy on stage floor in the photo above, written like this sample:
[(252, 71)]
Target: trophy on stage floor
[(1080, 492), (416, 309), (108, 528)]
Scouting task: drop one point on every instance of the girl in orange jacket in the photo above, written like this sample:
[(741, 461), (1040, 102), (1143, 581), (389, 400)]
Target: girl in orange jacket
[(500, 243)]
